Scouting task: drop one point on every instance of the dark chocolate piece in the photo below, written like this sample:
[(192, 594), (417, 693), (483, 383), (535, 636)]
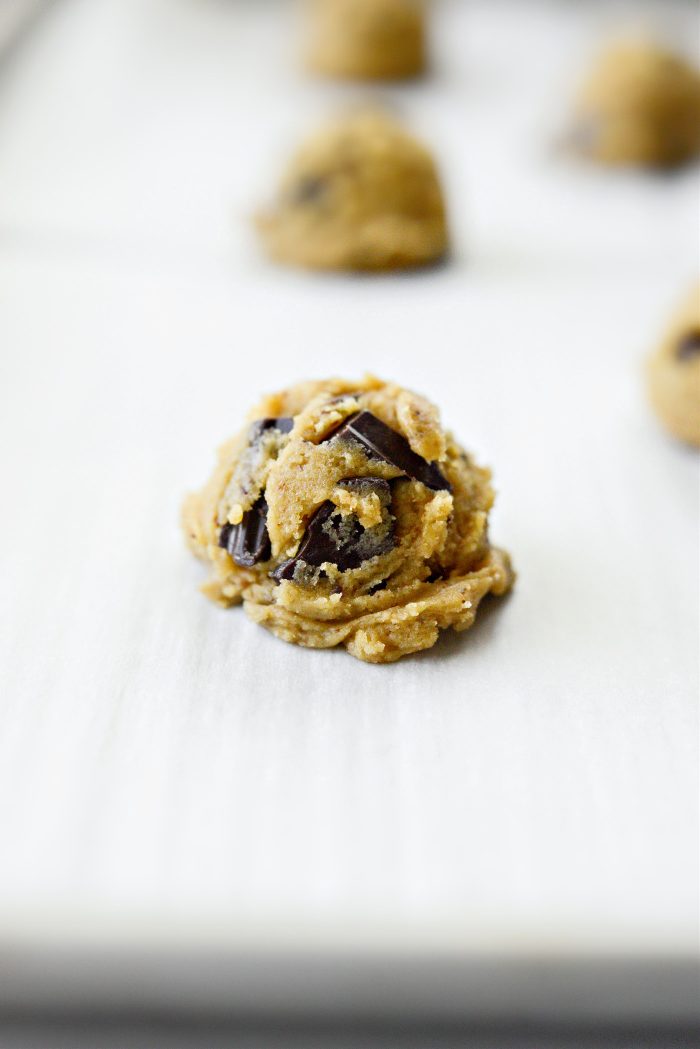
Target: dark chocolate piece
[(316, 546), (257, 429), (248, 542), (308, 189), (255, 452), (224, 536), (689, 346), (340, 539), (436, 574), (380, 441)]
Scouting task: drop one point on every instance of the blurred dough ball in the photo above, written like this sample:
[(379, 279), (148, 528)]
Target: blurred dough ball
[(674, 373), (639, 106), (367, 39), (360, 194)]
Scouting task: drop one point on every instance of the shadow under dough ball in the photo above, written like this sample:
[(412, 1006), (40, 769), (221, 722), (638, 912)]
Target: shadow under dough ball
[(344, 514), (367, 39), (673, 373), (639, 106), (360, 194)]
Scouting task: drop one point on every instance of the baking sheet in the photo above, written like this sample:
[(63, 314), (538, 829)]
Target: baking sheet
[(172, 775)]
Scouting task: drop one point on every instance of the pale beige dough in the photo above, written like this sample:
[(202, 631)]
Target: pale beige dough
[(639, 106), (425, 557), (673, 373), (360, 194), (367, 39)]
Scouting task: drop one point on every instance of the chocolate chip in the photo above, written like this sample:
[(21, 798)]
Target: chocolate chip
[(316, 546), (257, 451), (339, 539), (248, 542), (284, 424), (224, 536), (308, 190), (380, 441), (435, 575), (689, 346)]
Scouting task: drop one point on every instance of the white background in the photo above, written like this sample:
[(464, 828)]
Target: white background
[(168, 767)]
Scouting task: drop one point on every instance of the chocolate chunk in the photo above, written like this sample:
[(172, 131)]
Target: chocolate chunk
[(248, 542), (380, 441), (689, 346), (436, 574), (316, 546), (308, 190), (340, 539), (224, 535), (245, 483), (258, 428)]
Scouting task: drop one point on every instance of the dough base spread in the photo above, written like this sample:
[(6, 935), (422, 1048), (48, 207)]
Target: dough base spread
[(674, 373), (344, 514), (361, 194), (639, 106)]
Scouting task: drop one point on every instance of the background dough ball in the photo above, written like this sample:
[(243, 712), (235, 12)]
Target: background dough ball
[(359, 195), (640, 105), (344, 514), (367, 39), (674, 373)]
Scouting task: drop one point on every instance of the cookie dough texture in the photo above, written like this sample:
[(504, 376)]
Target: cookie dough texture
[(674, 373), (367, 39), (357, 551), (360, 194), (640, 106)]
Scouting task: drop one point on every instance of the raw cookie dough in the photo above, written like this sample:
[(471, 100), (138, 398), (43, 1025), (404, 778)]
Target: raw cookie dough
[(367, 39), (639, 106), (359, 195), (344, 514), (674, 373)]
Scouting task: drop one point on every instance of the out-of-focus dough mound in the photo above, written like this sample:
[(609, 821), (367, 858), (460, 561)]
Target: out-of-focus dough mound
[(360, 194), (367, 39), (640, 105)]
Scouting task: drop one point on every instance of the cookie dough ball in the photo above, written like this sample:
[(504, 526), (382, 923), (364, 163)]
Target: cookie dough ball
[(359, 195), (640, 106), (367, 39), (674, 373), (344, 514)]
